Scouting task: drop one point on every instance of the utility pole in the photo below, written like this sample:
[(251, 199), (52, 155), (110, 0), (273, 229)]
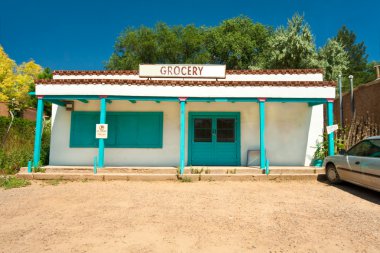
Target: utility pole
[(352, 96)]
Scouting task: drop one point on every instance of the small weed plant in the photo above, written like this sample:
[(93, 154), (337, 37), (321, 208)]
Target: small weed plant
[(196, 171), (186, 180), (231, 171), (9, 182)]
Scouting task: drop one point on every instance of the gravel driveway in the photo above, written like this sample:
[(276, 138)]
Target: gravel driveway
[(120, 216)]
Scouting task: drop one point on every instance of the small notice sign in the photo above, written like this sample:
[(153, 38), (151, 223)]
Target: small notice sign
[(101, 131), (331, 129)]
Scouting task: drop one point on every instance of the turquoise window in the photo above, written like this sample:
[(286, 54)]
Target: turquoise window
[(125, 129)]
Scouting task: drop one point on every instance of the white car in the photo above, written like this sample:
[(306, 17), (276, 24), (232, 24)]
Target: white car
[(359, 165)]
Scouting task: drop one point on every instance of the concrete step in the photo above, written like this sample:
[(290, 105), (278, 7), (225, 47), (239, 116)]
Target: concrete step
[(99, 176), (291, 171), (195, 170), (164, 177), (221, 170), (247, 177), (253, 170), (90, 170)]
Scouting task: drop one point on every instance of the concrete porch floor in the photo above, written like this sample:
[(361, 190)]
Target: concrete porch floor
[(191, 173)]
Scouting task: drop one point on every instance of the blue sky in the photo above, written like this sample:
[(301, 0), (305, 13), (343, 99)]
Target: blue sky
[(80, 34)]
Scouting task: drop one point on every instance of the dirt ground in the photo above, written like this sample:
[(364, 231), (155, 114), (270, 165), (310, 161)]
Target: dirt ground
[(120, 216)]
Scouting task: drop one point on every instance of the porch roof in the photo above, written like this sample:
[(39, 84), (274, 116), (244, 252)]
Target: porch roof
[(264, 83)]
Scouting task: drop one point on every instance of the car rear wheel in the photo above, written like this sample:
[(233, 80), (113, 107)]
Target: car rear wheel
[(332, 174)]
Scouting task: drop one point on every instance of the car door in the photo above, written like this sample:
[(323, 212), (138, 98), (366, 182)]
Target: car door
[(364, 161), (355, 157), (370, 165)]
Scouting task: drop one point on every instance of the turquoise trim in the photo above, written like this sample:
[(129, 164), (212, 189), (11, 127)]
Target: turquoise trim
[(297, 100), (29, 166), (214, 116), (330, 119), (267, 170), (95, 97), (174, 99), (103, 106), (125, 129), (38, 133), (95, 168), (262, 134), (182, 137), (57, 102), (311, 104)]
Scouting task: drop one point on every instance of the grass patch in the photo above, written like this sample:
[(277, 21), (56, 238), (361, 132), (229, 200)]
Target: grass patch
[(9, 182), (186, 180)]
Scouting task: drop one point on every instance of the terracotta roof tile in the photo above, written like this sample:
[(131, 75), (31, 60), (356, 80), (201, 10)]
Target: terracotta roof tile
[(183, 82), (229, 72)]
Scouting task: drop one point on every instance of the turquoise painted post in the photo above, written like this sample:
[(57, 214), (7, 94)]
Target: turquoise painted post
[(29, 166), (262, 132), (103, 106), (38, 133), (95, 160), (267, 171), (182, 102), (330, 121)]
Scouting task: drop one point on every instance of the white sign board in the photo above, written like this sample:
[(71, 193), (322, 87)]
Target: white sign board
[(182, 70), (331, 128), (101, 131)]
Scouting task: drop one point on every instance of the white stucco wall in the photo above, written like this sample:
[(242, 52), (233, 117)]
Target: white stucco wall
[(291, 131)]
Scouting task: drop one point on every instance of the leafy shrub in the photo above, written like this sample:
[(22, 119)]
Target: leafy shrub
[(16, 148)]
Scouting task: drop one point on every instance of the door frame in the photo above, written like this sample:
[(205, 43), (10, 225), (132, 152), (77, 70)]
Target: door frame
[(190, 132)]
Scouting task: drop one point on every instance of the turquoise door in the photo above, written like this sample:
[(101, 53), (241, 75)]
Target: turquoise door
[(214, 138)]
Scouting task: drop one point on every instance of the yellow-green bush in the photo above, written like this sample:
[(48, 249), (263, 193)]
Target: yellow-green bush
[(16, 149)]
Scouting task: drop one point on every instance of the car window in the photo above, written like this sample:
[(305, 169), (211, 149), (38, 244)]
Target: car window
[(374, 150), (370, 148)]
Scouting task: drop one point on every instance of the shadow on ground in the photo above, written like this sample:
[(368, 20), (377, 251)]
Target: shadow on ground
[(358, 191)]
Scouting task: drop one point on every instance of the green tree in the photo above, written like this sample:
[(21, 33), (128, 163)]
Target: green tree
[(193, 45), (238, 43), (292, 47), (356, 51), (163, 44), (45, 74), (358, 59), (334, 59)]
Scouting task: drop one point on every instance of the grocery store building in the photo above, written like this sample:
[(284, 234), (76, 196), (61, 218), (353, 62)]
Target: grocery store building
[(185, 115)]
